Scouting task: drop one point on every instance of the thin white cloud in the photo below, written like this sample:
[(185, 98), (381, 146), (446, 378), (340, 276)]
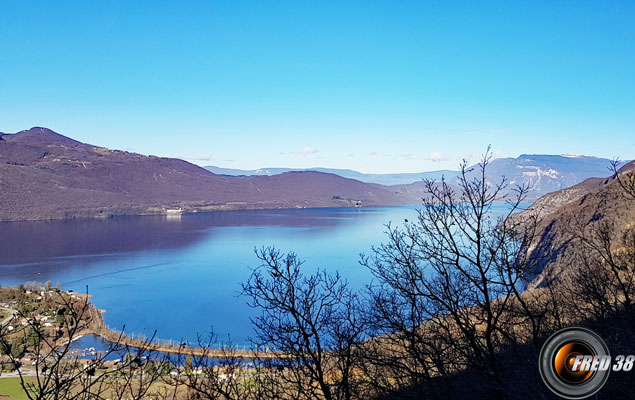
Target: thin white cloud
[(307, 151), (436, 156)]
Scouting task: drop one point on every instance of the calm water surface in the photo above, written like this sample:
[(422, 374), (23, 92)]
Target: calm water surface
[(182, 276)]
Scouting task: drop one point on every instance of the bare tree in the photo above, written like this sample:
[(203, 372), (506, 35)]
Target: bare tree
[(446, 296), (221, 373), (57, 371), (313, 319), (626, 179), (600, 284)]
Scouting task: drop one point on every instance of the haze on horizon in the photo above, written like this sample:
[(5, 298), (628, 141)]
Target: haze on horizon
[(377, 88)]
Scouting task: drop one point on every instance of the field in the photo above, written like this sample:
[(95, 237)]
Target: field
[(10, 389)]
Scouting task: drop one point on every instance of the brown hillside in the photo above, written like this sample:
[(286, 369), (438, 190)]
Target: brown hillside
[(564, 213), (44, 175)]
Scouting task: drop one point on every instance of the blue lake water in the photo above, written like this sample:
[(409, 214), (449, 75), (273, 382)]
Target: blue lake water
[(182, 276)]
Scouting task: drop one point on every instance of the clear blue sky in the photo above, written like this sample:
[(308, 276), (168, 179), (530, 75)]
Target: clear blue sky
[(373, 86)]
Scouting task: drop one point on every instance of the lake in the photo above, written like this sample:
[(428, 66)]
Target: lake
[(182, 276)]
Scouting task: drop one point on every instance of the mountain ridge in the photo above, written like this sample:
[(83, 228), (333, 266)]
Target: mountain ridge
[(561, 215), (545, 173), (382, 179), (45, 175)]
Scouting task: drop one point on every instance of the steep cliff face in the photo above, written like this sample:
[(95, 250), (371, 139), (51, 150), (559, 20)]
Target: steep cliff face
[(564, 214)]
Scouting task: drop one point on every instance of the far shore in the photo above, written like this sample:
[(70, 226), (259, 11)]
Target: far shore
[(170, 213)]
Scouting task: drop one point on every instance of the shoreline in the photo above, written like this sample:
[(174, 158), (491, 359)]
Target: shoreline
[(99, 328), (202, 210)]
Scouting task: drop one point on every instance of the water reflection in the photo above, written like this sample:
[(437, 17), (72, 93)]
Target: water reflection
[(182, 276), (29, 242)]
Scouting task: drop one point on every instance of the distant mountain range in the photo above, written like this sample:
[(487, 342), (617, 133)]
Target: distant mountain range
[(44, 175), (543, 173), (547, 173), (382, 179)]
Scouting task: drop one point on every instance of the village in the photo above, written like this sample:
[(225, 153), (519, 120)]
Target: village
[(34, 318)]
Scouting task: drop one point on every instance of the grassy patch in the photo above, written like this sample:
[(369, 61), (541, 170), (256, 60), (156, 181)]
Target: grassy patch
[(10, 389)]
